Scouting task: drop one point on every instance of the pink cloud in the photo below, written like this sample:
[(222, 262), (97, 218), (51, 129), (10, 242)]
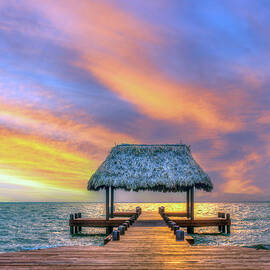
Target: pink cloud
[(113, 45), (238, 176)]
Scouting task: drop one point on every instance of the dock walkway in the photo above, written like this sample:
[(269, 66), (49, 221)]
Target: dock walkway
[(142, 247)]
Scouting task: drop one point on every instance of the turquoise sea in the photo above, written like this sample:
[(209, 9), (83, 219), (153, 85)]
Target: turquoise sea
[(25, 226)]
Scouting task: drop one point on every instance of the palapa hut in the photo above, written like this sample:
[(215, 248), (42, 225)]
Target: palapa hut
[(156, 167)]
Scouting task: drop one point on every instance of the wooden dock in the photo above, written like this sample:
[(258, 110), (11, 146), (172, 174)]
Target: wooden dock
[(148, 244)]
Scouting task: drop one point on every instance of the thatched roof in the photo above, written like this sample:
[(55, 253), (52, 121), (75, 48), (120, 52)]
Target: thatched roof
[(162, 167)]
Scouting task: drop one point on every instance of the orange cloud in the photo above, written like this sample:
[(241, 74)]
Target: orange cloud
[(238, 176), (53, 150), (42, 121), (264, 118), (116, 48), (241, 187), (158, 97)]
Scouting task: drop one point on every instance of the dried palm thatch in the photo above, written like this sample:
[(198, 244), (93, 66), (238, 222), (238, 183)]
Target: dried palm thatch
[(167, 168)]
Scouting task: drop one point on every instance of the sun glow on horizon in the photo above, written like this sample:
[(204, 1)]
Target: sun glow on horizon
[(16, 188)]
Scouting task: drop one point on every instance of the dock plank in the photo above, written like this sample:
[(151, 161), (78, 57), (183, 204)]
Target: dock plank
[(201, 222), (88, 222)]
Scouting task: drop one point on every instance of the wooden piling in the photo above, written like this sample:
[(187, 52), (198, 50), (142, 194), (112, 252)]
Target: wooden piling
[(228, 217), (71, 228), (76, 227), (161, 210), (79, 216), (222, 215), (219, 216)]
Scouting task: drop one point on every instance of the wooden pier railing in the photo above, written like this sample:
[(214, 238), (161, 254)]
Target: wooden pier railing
[(124, 214), (175, 220), (76, 222), (89, 222), (176, 214), (222, 221)]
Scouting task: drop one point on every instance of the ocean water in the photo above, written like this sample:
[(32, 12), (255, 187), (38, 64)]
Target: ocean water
[(25, 226)]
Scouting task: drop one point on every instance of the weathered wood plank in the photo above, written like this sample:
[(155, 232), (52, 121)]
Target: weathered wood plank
[(201, 222), (176, 214), (124, 214), (87, 222)]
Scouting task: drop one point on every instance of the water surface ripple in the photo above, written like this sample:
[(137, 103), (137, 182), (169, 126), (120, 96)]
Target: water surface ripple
[(25, 226)]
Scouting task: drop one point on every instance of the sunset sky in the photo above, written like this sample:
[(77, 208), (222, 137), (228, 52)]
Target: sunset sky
[(78, 77)]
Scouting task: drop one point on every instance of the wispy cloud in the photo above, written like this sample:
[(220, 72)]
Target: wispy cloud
[(78, 77), (119, 55), (240, 177), (56, 148)]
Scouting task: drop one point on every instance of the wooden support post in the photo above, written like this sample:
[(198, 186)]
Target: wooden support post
[(228, 217), (187, 203), (179, 234), (115, 235), (219, 227), (112, 201), (80, 216), (161, 210), (107, 203), (191, 229), (76, 228), (222, 215), (71, 227), (192, 203)]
